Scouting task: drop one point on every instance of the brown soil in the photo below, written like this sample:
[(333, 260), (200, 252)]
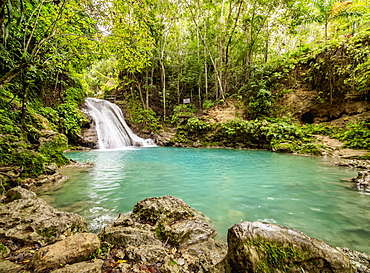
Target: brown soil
[(334, 148)]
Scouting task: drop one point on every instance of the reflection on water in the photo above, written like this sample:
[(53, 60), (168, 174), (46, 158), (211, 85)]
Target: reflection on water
[(228, 186)]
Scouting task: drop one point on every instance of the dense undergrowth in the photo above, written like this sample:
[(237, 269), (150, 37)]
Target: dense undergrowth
[(280, 135), (26, 148), (34, 134)]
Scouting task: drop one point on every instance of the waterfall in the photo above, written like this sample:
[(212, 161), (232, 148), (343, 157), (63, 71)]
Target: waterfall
[(111, 127)]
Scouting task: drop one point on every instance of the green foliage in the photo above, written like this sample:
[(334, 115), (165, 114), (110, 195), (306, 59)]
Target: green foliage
[(356, 135), (194, 125), (146, 119), (183, 110), (208, 104), (262, 131), (53, 149), (310, 149), (75, 94), (70, 118), (13, 150)]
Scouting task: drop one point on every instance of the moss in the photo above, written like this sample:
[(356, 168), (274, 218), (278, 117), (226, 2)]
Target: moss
[(53, 148), (160, 231), (310, 149), (286, 147), (3, 249), (48, 232), (172, 262), (275, 255)]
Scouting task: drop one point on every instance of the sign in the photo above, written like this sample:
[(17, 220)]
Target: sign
[(186, 100)]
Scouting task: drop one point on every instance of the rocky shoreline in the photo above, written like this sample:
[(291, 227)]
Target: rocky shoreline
[(163, 234)]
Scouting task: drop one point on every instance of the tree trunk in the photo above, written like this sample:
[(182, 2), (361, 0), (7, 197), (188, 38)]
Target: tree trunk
[(2, 6), (12, 73), (146, 89), (163, 80), (24, 108)]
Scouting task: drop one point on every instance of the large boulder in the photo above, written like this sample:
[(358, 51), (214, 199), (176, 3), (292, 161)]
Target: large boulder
[(161, 210), (26, 219), (73, 249), (188, 232), (128, 236), (168, 233), (265, 247)]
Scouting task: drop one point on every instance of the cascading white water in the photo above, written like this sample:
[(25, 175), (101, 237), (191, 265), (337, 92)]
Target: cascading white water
[(111, 127)]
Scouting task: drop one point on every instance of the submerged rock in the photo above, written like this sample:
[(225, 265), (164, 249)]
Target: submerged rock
[(26, 219), (265, 247)]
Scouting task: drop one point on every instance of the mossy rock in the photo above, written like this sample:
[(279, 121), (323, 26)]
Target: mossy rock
[(52, 145), (265, 247), (165, 209)]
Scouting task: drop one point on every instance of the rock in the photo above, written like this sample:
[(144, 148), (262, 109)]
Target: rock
[(28, 219), (51, 169), (354, 163), (88, 136), (9, 267), (167, 235), (165, 209), (197, 144), (74, 249), (20, 193), (94, 266), (264, 247), (360, 261), (207, 254), (126, 236), (188, 232), (363, 179), (147, 253)]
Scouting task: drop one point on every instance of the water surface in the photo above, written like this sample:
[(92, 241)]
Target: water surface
[(228, 186)]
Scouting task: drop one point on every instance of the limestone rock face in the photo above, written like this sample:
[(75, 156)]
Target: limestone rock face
[(363, 179), (128, 236), (93, 266), (188, 232), (73, 249), (360, 261), (9, 267), (164, 234), (165, 209), (28, 219), (264, 247), (147, 253)]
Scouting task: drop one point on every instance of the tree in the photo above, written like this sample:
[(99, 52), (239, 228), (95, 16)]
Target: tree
[(44, 35), (327, 10)]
